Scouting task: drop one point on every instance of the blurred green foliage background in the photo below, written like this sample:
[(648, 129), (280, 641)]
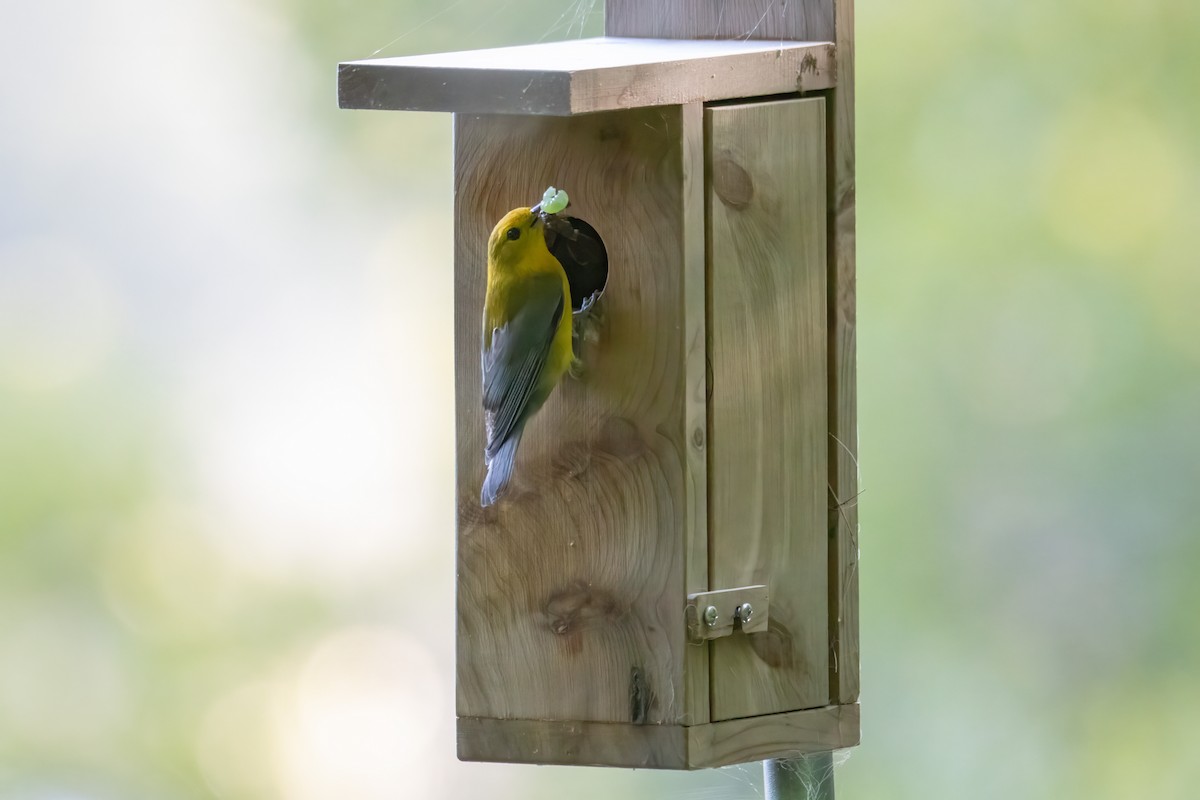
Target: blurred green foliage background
[(226, 490)]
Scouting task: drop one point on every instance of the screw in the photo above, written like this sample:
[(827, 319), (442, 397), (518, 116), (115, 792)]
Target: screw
[(744, 611), (711, 616)]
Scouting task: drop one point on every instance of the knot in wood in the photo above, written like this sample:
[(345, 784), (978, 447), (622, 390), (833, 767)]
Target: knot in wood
[(580, 605), (776, 646), (732, 182), (621, 438), (573, 459)]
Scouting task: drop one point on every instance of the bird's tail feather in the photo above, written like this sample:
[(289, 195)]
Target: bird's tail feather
[(499, 470)]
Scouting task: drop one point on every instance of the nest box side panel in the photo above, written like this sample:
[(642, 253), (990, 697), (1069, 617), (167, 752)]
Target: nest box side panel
[(843, 394), (572, 589), (768, 454)]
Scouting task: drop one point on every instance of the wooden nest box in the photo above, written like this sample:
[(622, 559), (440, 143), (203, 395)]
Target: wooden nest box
[(671, 579)]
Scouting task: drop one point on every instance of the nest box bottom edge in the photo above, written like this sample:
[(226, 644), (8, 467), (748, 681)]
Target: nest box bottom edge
[(678, 747)]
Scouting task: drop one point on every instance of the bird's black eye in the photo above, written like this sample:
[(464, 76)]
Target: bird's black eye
[(513, 233)]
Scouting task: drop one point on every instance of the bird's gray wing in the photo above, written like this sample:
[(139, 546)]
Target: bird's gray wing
[(514, 361)]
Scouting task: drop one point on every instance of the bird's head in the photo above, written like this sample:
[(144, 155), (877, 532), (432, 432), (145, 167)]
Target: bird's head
[(516, 236)]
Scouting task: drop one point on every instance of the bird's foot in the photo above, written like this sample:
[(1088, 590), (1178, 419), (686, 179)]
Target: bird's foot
[(595, 321)]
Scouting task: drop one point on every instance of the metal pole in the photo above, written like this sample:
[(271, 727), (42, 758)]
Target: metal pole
[(801, 778)]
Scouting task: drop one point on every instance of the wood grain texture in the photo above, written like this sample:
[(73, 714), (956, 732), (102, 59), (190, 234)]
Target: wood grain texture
[(768, 469), (583, 76), (604, 744), (571, 591), (843, 393), (695, 401), (799, 20), (593, 744)]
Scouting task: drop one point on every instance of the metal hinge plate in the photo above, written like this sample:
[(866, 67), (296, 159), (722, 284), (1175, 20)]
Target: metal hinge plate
[(711, 615)]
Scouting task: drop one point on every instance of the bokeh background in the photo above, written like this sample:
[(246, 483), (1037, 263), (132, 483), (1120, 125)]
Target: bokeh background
[(226, 503)]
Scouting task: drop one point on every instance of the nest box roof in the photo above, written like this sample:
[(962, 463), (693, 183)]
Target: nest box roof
[(580, 76)]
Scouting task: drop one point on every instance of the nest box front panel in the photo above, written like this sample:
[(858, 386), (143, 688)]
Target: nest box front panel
[(768, 471), (571, 589)]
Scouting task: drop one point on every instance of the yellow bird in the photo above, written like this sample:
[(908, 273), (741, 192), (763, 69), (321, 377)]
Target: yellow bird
[(526, 338)]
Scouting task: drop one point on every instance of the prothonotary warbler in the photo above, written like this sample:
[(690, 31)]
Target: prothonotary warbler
[(526, 338)]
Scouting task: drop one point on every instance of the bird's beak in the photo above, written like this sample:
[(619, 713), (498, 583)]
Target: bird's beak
[(536, 216)]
